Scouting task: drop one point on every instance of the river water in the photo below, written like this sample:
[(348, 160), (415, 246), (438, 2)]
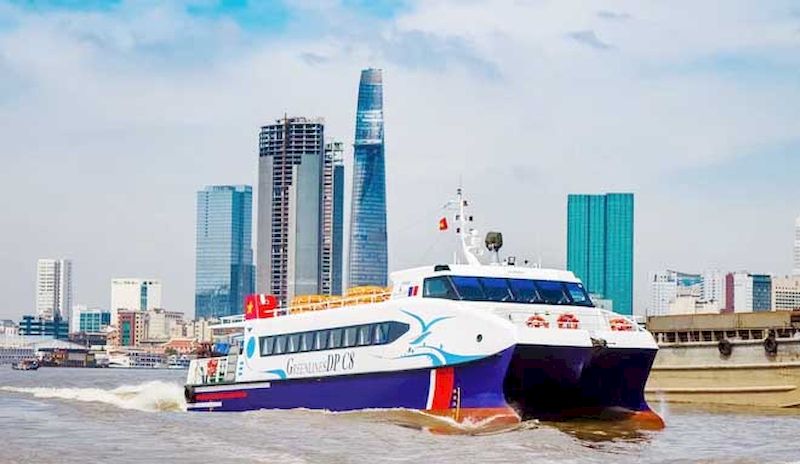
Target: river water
[(138, 416)]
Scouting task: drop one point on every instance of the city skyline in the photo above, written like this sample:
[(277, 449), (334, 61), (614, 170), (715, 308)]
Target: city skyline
[(672, 123)]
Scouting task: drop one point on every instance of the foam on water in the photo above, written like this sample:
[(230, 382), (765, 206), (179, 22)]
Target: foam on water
[(148, 396)]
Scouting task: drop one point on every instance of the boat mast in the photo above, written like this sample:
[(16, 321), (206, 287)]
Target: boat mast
[(467, 234)]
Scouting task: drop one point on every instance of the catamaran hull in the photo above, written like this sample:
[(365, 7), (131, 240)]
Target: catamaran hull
[(469, 391), (558, 382)]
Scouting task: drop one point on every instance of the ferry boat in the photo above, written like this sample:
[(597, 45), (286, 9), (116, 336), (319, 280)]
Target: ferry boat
[(26, 365), (735, 359), (137, 360), (486, 343)]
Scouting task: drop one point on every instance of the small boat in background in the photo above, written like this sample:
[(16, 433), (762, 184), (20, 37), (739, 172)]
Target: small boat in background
[(26, 365)]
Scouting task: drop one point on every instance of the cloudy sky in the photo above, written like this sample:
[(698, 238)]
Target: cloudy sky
[(113, 114)]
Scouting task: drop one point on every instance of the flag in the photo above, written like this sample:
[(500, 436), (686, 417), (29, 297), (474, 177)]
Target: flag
[(250, 307), (266, 305), (443, 223)]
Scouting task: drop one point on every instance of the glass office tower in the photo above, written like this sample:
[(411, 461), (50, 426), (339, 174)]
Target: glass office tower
[(224, 265), (368, 247), (600, 246)]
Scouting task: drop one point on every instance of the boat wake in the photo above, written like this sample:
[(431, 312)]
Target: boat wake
[(151, 396), (436, 424)]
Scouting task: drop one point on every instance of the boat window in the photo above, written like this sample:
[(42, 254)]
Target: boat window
[(267, 344), (379, 333), (342, 337), (552, 292), (280, 344), (336, 339), (307, 341), (320, 340), (350, 334), (496, 289), (438, 287), (524, 291), (578, 294), (364, 335), (294, 343), (468, 288)]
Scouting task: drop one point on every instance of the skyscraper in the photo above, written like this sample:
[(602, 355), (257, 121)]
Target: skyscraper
[(290, 179), (53, 289), (332, 219), (600, 245), (224, 266), (368, 247)]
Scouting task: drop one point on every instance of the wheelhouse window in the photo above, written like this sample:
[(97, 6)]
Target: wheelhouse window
[(577, 293), (500, 289), (469, 288), (439, 287), (553, 292)]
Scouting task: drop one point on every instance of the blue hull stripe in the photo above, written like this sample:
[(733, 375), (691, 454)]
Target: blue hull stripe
[(480, 383)]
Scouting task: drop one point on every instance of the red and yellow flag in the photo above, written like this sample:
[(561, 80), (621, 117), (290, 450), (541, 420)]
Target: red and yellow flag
[(443, 223)]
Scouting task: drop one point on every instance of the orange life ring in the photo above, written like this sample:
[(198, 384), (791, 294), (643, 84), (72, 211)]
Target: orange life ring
[(619, 324), (536, 321), (568, 321)]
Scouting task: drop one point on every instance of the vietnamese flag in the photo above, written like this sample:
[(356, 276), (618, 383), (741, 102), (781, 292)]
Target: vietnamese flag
[(266, 305), (443, 223), (250, 307)]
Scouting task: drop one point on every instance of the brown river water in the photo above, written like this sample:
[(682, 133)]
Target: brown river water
[(137, 416)]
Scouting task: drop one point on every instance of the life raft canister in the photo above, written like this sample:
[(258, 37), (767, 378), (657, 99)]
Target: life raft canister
[(568, 321), (620, 324), (536, 321)]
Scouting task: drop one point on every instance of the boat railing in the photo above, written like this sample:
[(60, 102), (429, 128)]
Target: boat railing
[(337, 302), (219, 369)]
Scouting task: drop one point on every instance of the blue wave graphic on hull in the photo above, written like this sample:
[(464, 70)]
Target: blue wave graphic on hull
[(278, 372)]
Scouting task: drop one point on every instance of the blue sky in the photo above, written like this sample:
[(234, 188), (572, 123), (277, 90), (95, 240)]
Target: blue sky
[(113, 113)]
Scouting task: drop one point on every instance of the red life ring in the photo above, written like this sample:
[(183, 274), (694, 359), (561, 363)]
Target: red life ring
[(568, 321), (536, 321), (619, 324)]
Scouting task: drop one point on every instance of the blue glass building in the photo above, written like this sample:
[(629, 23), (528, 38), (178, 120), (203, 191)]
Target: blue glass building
[(762, 292), (94, 321), (224, 266), (368, 246), (600, 246)]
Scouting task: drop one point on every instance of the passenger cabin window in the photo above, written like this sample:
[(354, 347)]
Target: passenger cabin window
[(380, 333), (500, 289)]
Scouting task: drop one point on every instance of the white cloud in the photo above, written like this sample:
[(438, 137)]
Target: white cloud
[(111, 120)]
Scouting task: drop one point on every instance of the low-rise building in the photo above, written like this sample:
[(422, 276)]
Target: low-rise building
[(786, 293), (161, 324), (43, 327), (131, 327), (8, 327)]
